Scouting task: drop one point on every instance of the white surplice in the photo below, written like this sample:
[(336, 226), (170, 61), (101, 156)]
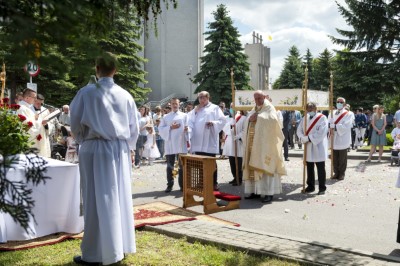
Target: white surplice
[(317, 148), (174, 139), (205, 138), (342, 130), (104, 122), (44, 143), (27, 110), (229, 147)]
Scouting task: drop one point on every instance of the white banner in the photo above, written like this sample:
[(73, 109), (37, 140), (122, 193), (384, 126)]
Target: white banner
[(286, 99)]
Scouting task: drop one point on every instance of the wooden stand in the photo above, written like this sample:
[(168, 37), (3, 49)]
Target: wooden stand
[(198, 181)]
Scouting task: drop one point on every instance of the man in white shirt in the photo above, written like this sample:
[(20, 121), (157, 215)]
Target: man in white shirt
[(104, 122), (205, 123), (340, 128), (173, 129), (65, 118), (314, 137)]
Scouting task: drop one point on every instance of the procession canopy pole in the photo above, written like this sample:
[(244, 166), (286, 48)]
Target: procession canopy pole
[(234, 129), (331, 109), (305, 87), (3, 82)]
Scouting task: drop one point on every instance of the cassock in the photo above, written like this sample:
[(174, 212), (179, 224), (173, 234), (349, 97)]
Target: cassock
[(175, 139), (263, 163), (202, 137), (104, 122), (36, 129), (317, 149), (342, 130)]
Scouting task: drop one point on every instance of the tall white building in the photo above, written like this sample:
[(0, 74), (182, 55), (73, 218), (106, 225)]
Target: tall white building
[(260, 62), (174, 55)]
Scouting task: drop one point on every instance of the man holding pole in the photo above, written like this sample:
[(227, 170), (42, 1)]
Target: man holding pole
[(263, 163), (340, 133), (313, 134)]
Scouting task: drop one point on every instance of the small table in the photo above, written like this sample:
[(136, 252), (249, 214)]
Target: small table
[(56, 204)]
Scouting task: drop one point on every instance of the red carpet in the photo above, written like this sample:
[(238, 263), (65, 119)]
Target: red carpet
[(154, 213)]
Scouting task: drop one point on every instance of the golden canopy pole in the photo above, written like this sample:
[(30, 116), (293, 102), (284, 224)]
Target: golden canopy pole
[(3, 82), (234, 129), (305, 127), (331, 109)]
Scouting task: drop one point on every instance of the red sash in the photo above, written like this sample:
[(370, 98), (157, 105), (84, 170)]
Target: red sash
[(313, 123), (340, 117)]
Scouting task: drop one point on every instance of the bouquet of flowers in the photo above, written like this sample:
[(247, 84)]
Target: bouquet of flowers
[(15, 197)]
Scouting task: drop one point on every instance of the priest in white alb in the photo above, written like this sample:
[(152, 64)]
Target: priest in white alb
[(263, 163), (104, 122)]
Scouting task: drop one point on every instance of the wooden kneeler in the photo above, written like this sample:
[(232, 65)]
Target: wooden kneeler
[(198, 181)]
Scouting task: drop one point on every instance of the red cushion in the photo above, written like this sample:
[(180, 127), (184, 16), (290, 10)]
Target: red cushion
[(226, 196)]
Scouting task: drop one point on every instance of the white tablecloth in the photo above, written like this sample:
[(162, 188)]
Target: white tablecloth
[(56, 204)]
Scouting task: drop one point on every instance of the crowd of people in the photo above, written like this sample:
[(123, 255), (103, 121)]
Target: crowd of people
[(112, 137)]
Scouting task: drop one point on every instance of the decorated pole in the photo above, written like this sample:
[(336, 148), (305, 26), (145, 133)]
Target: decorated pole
[(331, 109), (3, 82), (234, 129), (305, 127)]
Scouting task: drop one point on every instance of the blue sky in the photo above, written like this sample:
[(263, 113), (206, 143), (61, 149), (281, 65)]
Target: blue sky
[(304, 23)]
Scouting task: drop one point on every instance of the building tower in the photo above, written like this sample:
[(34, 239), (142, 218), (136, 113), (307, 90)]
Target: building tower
[(260, 62)]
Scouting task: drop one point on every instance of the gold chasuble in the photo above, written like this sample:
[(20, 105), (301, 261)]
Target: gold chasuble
[(263, 144)]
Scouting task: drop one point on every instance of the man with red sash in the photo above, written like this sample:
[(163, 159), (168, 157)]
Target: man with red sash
[(340, 129), (314, 136)]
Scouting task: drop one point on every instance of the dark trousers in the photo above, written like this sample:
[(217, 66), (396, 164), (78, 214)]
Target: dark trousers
[(216, 167), (285, 143), (321, 175), (171, 158), (353, 137), (233, 167), (139, 147), (339, 162), (160, 146)]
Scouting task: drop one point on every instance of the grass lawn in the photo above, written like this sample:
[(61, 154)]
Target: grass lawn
[(152, 249)]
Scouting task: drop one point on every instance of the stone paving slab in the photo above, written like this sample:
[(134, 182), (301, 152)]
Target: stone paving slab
[(273, 245)]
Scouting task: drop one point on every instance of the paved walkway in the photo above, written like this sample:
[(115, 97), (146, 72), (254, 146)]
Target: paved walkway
[(262, 242)]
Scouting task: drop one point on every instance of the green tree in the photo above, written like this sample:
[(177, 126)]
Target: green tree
[(223, 52), (309, 62), (322, 70), (292, 75), (372, 49)]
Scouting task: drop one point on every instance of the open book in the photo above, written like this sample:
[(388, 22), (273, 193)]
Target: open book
[(52, 115)]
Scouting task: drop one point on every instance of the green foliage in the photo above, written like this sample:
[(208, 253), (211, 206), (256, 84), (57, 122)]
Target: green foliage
[(389, 139), (152, 249), (292, 74), (223, 52), (15, 196), (322, 70), (309, 62), (366, 67)]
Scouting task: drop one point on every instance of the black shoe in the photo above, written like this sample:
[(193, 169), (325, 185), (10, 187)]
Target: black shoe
[(334, 177), (253, 196), (168, 190), (267, 199), (341, 177), (321, 192), (309, 190), (78, 260), (286, 159), (232, 181)]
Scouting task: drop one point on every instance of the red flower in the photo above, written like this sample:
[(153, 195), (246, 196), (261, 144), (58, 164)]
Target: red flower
[(39, 137), (23, 118), (30, 124), (15, 106), (6, 100)]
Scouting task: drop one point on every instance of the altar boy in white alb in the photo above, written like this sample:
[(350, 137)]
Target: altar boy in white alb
[(173, 130), (105, 124), (314, 137)]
